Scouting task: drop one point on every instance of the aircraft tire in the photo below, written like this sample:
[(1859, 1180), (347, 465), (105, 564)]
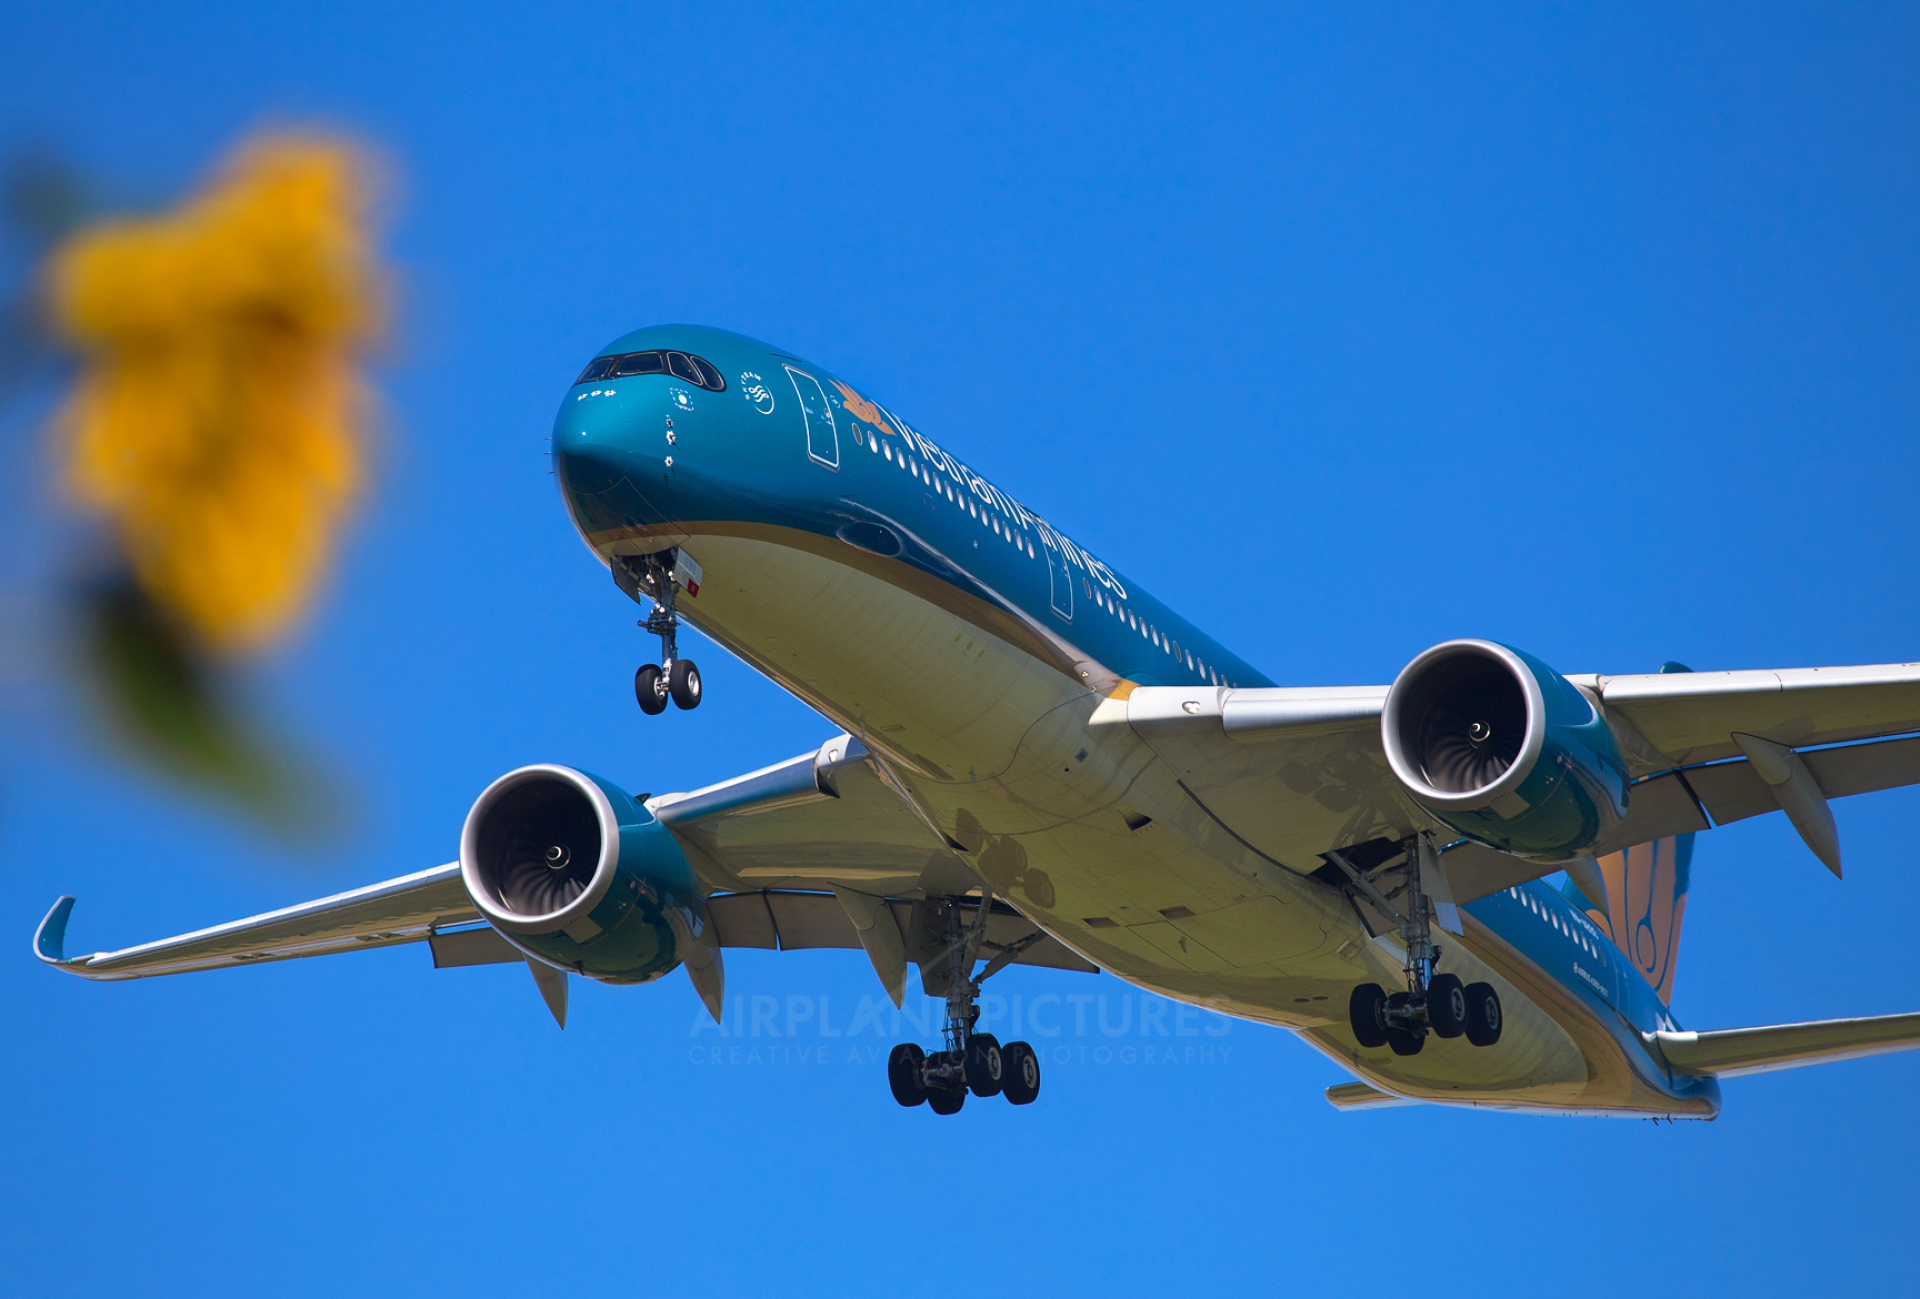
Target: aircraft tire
[(942, 1101), (648, 691), (1447, 1005), (1364, 1009), (683, 683), (985, 1066), (1019, 1073), (1483, 1014), (903, 1074)]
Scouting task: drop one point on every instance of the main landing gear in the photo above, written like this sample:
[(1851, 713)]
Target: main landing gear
[(673, 677), (1433, 1003), (972, 1062)]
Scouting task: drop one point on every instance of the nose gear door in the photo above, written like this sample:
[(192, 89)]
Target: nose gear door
[(823, 438)]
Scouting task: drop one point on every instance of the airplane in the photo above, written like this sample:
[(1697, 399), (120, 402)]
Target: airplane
[(1039, 763)]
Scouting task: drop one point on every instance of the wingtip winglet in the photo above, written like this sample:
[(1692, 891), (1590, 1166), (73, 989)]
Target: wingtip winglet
[(50, 940)]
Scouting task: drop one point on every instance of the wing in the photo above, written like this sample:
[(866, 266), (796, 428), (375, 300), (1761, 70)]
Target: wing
[(824, 850), (1297, 772), (404, 910)]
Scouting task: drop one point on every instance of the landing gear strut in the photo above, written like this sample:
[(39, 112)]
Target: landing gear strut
[(663, 575), (1433, 1003), (972, 1061)]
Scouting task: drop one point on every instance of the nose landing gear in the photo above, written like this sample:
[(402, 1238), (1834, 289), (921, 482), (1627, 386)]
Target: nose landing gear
[(972, 1061), (1433, 1003), (663, 575)]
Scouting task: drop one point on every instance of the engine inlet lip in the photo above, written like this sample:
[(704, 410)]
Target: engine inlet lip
[(1409, 773), (481, 891)]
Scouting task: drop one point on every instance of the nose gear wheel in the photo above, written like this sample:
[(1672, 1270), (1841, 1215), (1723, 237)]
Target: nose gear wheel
[(662, 575)]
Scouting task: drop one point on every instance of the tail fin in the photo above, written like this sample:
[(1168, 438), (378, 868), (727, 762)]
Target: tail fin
[(1642, 899)]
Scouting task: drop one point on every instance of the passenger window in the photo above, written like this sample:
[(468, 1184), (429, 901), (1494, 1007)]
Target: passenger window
[(682, 367), (639, 363), (596, 369)]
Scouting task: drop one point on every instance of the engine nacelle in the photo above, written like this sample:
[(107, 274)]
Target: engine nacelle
[(1505, 750), (572, 871)]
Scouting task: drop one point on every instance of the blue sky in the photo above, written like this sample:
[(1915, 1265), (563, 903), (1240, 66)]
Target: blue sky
[(1590, 329)]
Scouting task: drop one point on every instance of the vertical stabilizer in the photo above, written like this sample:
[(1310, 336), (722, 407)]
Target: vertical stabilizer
[(1645, 898)]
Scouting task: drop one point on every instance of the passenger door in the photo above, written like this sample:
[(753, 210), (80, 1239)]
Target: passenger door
[(1059, 574), (823, 437)]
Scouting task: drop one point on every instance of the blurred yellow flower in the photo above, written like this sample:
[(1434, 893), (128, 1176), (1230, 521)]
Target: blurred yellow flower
[(216, 423)]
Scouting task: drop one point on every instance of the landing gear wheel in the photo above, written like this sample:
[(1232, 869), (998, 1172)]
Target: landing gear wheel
[(1019, 1073), (1447, 1005), (650, 690), (1402, 1041), (1483, 1014), (1366, 1008), (903, 1074), (942, 1101), (985, 1066), (683, 683)]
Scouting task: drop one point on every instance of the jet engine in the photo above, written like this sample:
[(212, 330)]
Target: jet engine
[(575, 873), (1502, 748)]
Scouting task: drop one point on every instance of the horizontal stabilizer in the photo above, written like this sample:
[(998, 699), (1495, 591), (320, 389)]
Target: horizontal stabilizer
[(1359, 1096), (1731, 1052)]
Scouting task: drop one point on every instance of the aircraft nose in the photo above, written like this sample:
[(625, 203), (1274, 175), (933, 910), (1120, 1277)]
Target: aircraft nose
[(589, 462), (610, 473)]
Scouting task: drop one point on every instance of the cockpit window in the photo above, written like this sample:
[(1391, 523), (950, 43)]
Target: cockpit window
[(623, 364), (638, 363)]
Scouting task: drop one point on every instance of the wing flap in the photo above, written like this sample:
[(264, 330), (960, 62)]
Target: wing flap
[(1662, 806), (403, 910), (1733, 1052), (790, 920), (1665, 805), (482, 946)]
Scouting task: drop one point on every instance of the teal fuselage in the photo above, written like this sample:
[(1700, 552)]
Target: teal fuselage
[(978, 652)]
